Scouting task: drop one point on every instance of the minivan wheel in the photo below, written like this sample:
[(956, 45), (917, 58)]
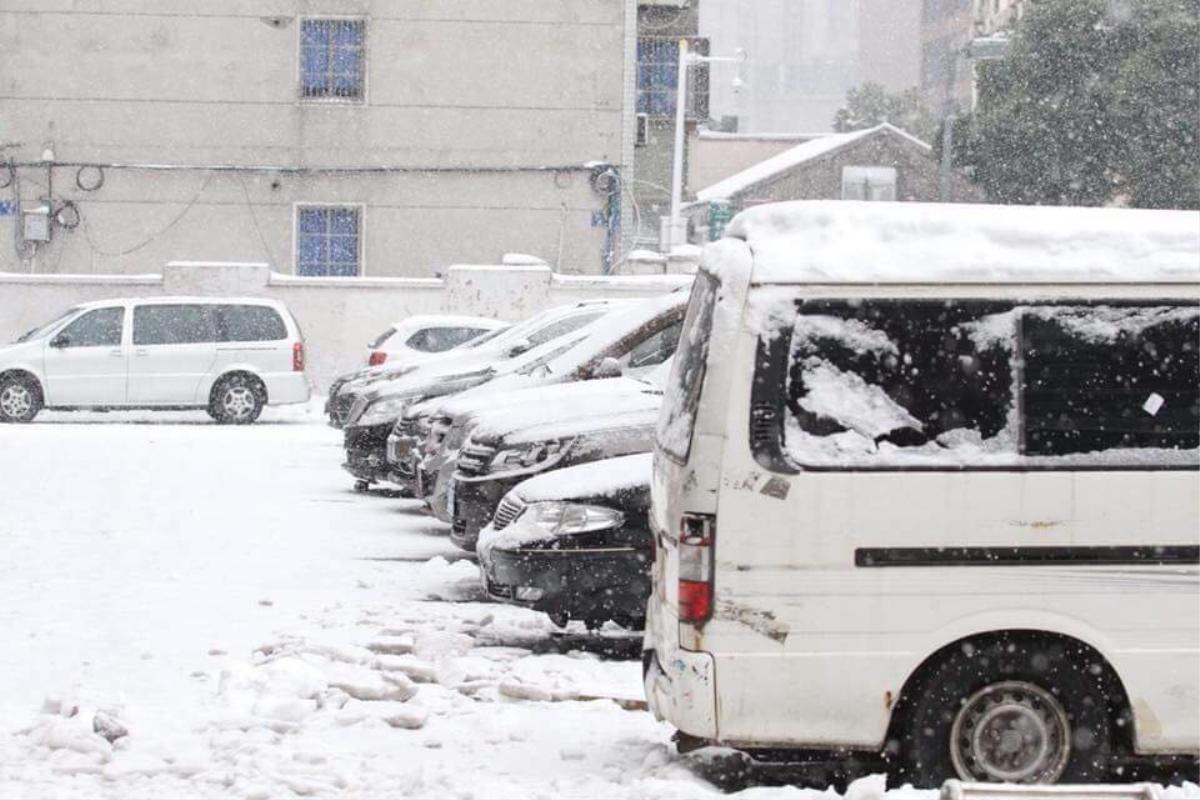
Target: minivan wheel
[(20, 399), (1011, 711), (237, 400)]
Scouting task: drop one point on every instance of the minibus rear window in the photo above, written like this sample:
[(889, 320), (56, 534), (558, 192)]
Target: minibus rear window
[(899, 384), (682, 397)]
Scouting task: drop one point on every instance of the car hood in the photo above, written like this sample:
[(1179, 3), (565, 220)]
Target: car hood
[(607, 478), (592, 426), (579, 415), (483, 401)]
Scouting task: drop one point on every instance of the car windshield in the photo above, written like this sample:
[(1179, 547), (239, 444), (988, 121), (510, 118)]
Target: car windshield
[(486, 337), (42, 330)]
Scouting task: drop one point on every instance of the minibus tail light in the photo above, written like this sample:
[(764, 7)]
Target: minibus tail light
[(376, 358), (696, 567), (298, 357)]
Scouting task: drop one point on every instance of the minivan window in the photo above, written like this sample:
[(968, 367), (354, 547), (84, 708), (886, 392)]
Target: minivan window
[(43, 329), (172, 324), (100, 327), (971, 383), (244, 323), (682, 397)]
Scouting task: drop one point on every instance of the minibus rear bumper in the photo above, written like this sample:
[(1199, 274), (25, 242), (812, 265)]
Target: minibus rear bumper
[(681, 689)]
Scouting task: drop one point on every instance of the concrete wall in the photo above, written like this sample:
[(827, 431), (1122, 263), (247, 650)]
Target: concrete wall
[(491, 84), (338, 315)]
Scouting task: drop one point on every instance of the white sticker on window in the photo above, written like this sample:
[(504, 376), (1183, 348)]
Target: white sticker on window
[(1153, 403)]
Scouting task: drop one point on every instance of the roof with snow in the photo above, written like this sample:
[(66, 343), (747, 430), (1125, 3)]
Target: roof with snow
[(795, 156), (841, 241)]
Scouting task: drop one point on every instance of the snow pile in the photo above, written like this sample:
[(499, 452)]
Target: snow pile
[(856, 404)]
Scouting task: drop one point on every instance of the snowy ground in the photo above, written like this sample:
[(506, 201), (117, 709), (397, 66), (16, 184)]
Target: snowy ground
[(261, 631)]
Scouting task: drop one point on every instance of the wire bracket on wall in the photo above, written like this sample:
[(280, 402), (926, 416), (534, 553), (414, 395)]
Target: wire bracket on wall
[(89, 178)]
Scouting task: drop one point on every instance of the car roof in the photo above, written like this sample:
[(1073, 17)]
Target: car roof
[(177, 299), (419, 321), (834, 242)]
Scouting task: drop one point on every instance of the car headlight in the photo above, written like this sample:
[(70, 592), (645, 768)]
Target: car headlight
[(538, 455), (558, 518), (385, 409)]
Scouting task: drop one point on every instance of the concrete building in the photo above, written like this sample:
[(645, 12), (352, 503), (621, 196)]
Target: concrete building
[(324, 137), (882, 163)]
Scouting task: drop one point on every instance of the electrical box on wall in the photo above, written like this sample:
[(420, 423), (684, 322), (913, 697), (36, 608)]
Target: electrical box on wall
[(37, 225)]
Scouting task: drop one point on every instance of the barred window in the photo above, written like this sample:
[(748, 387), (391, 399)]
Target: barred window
[(657, 82), (331, 58), (328, 240)]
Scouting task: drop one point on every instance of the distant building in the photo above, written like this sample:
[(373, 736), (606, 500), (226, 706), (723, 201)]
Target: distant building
[(661, 25), (338, 138), (882, 163), (947, 27), (889, 43)]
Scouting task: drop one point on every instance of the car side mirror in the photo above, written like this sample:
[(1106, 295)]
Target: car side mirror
[(608, 367), (518, 347), (60, 341)]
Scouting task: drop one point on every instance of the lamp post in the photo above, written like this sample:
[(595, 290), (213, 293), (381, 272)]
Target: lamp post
[(674, 229), (981, 48)]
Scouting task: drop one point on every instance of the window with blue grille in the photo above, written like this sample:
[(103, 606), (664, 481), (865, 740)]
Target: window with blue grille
[(332, 52), (328, 240), (658, 68)]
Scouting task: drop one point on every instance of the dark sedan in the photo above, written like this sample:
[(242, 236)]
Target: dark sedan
[(575, 543)]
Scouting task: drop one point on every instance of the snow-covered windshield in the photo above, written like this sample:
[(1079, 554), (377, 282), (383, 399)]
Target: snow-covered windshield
[(42, 330), (987, 383)]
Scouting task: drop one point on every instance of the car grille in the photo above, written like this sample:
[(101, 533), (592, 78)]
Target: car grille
[(506, 513), (474, 459)]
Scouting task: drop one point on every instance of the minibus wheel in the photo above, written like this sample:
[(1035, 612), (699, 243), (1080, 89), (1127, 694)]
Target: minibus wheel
[(237, 400), (1008, 709)]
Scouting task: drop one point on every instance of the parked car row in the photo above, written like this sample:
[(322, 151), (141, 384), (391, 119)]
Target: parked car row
[(533, 446)]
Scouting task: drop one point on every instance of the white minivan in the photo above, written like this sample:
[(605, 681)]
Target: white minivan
[(229, 356), (926, 491)]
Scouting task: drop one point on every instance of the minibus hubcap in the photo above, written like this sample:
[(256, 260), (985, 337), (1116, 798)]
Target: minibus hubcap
[(239, 402), (1013, 732), (16, 401)]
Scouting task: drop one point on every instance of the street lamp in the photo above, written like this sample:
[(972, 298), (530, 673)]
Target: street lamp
[(674, 230), (982, 48)]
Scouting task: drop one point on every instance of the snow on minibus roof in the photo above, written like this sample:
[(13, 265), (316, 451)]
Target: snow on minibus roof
[(837, 241)]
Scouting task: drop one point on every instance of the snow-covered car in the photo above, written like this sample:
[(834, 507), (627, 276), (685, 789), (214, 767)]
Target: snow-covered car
[(477, 354), (423, 447), (495, 459), (431, 463), (574, 543), (424, 336), (636, 336), (230, 356)]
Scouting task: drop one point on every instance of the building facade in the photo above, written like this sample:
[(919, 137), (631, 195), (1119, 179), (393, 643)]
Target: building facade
[(324, 137)]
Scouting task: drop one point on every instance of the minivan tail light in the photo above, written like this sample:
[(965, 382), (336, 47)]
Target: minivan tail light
[(696, 535), (298, 357), (376, 358)]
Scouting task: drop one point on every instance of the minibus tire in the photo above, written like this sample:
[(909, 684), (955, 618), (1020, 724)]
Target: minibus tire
[(20, 398), (973, 681), (249, 390)]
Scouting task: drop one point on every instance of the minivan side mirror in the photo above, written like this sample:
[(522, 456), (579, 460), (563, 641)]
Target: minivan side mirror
[(61, 340), (518, 347), (608, 367)]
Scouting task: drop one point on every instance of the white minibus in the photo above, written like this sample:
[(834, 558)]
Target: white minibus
[(927, 490)]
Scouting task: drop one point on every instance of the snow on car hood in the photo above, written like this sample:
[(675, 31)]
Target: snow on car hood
[(538, 400), (517, 422), (593, 479), (596, 423)]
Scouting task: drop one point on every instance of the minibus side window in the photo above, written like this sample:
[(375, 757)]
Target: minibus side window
[(682, 397), (888, 384)]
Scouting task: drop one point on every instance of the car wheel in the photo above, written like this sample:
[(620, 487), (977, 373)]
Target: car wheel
[(362, 486), (237, 400), (20, 399), (1008, 710)]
